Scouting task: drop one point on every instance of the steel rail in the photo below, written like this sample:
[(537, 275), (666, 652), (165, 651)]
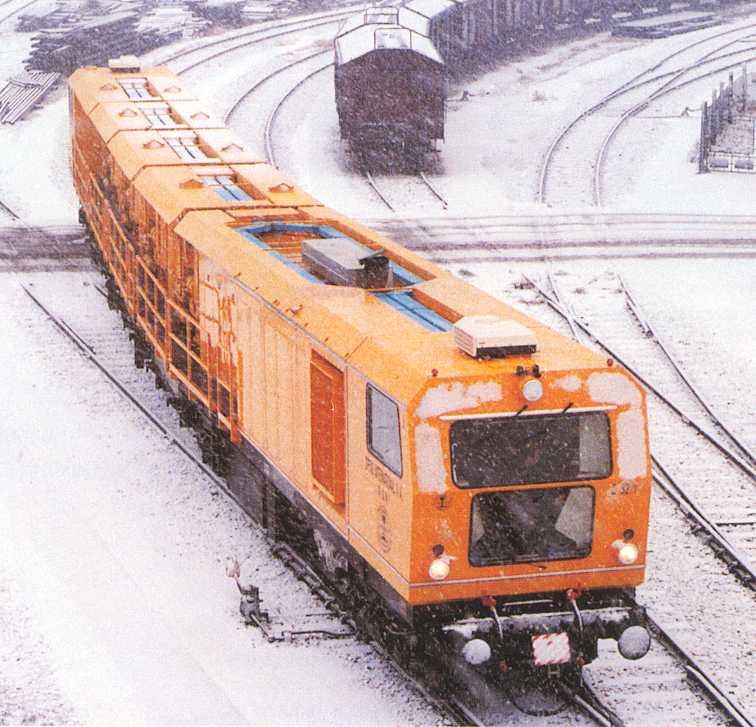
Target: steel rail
[(664, 90), (374, 186), (232, 109), (271, 120), (290, 25), (8, 211), (733, 710), (649, 330), (629, 85), (225, 51), (567, 309), (436, 193), (586, 698), (88, 352), (17, 10), (731, 456), (718, 542)]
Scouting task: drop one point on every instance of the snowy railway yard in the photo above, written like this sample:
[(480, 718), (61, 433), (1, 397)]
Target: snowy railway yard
[(114, 602)]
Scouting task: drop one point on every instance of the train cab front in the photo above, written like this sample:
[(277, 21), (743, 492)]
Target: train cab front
[(532, 501)]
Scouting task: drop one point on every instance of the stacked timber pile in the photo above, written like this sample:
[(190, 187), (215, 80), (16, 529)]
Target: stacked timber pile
[(23, 92), (227, 12), (79, 33), (662, 26), (62, 15), (86, 42)]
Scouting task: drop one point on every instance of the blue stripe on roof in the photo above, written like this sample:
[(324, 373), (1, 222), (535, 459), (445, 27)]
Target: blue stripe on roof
[(295, 267), (423, 315), (405, 274), (406, 304), (232, 193)]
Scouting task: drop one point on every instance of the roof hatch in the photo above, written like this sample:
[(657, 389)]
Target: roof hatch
[(488, 336)]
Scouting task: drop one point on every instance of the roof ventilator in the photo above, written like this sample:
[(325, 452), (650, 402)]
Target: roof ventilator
[(342, 261), (125, 64), (488, 336)]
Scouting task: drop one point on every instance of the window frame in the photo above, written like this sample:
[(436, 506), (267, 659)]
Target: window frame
[(159, 117), (369, 388), (226, 183), (526, 488), (183, 150), (610, 452)]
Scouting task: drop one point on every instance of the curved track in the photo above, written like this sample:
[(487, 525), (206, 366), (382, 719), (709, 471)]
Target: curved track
[(259, 34), (635, 83), (16, 11), (664, 90)]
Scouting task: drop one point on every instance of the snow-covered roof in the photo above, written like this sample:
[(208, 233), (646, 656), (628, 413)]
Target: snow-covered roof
[(367, 38)]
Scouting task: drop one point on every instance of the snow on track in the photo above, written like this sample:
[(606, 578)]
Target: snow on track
[(115, 544)]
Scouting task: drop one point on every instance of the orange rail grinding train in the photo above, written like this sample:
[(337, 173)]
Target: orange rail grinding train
[(463, 476)]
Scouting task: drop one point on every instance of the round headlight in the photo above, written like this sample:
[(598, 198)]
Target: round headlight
[(439, 569), (532, 390), (628, 554)]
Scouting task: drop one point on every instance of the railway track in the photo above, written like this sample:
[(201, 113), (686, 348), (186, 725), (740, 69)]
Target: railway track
[(640, 80), (732, 487), (528, 237), (650, 331), (478, 240), (15, 11), (409, 184), (8, 212), (636, 109), (260, 33), (272, 117), (25, 248), (107, 348)]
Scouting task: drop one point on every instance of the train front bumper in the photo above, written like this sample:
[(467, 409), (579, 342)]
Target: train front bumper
[(548, 639)]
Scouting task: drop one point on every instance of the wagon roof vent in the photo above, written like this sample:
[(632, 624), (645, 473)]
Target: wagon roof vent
[(125, 64), (377, 15), (488, 336)]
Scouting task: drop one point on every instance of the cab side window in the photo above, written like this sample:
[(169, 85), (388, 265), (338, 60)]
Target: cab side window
[(383, 435)]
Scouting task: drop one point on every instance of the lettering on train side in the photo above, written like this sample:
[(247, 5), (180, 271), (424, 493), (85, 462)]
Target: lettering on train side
[(387, 485), (384, 528)]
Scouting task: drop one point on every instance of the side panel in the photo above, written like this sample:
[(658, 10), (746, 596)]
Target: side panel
[(280, 374)]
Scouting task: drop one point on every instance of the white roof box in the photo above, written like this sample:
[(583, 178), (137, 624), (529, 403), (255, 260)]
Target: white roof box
[(488, 336), (125, 64)]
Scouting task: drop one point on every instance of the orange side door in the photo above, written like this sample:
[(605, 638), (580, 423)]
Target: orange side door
[(328, 427)]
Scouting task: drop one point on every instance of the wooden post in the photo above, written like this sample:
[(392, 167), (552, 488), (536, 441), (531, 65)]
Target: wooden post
[(704, 143), (745, 88)]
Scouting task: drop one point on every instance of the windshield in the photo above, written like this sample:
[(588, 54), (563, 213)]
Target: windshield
[(528, 525), (530, 449)]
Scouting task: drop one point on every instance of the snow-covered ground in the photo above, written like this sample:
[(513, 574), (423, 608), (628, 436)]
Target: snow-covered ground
[(114, 604), (115, 597)]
